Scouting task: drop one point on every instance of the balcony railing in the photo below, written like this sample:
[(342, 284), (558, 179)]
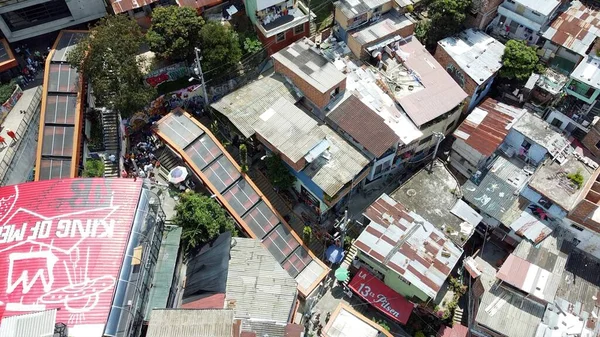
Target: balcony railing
[(279, 18)]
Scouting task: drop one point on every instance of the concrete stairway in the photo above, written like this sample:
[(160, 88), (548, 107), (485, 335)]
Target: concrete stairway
[(168, 161), (458, 316), (110, 124)]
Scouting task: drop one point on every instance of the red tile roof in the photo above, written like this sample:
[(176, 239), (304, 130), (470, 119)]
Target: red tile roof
[(216, 301), (488, 134), (364, 125)]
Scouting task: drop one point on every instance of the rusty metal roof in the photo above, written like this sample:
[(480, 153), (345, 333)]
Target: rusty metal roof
[(487, 125), (364, 125), (575, 29), (120, 6), (408, 244)]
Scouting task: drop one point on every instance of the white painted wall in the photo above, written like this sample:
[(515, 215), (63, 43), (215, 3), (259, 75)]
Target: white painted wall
[(589, 240), (439, 127), (536, 152), (534, 197)]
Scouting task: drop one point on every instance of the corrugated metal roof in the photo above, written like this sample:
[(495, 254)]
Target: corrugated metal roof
[(509, 313), (244, 106), (530, 227), (440, 94), (476, 53), (588, 71), (120, 6), (190, 323), (408, 244), (389, 24), (530, 278), (575, 29), (258, 286), (290, 130), (343, 164), (364, 125), (498, 190), (487, 125), (35, 324), (310, 65), (74, 261), (164, 270), (353, 8)]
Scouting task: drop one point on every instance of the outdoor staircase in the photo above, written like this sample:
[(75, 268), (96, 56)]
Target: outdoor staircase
[(348, 258), (168, 161), (458, 316), (110, 125)]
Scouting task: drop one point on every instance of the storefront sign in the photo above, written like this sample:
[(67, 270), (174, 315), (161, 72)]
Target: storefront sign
[(382, 297), (167, 74)]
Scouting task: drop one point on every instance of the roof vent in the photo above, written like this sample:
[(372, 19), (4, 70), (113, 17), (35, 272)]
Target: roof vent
[(411, 192)]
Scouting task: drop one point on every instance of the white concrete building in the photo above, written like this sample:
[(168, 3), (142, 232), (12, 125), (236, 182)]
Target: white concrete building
[(24, 19)]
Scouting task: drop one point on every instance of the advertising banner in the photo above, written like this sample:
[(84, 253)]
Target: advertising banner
[(62, 243), (380, 296)]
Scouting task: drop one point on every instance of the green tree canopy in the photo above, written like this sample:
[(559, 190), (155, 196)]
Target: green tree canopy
[(278, 173), (107, 57), (220, 47), (201, 218), (519, 61), (174, 32), (446, 19), (93, 168)]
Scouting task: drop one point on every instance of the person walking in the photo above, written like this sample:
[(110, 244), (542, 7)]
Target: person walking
[(11, 134), (2, 141)]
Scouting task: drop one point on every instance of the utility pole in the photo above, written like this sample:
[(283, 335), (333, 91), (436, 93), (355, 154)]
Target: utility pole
[(200, 74), (343, 227), (439, 136)]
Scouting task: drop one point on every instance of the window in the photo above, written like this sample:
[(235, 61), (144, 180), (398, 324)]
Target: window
[(299, 29), (335, 92), (451, 125), (556, 122), (35, 15), (526, 145), (377, 9), (280, 37), (598, 145), (545, 203), (577, 227)]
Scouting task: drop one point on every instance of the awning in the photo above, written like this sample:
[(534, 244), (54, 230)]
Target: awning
[(530, 227), (380, 296)]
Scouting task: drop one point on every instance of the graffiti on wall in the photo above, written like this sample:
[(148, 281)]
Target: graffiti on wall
[(167, 74)]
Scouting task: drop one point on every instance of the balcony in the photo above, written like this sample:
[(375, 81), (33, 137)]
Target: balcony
[(281, 17)]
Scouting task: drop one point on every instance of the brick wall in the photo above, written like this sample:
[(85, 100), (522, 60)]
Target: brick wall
[(296, 166), (313, 94), (584, 209), (470, 85), (591, 139), (484, 16), (271, 42)]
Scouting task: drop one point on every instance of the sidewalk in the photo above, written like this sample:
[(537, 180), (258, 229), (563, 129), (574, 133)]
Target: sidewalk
[(19, 123)]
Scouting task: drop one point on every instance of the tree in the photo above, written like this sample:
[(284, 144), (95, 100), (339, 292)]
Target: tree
[(93, 168), (278, 173), (519, 61), (110, 62), (175, 32), (201, 218), (220, 47), (447, 17), (244, 158)]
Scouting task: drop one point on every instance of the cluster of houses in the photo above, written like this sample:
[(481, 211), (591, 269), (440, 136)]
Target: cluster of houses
[(349, 110)]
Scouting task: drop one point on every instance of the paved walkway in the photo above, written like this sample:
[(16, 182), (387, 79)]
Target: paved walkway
[(19, 123)]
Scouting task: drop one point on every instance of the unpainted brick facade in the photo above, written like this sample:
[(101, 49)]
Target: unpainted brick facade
[(485, 14), (290, 37), (591, 139), (316, 97)]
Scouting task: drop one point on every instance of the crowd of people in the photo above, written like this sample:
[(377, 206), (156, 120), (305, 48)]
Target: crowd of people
[(33, 62), (141, 161)]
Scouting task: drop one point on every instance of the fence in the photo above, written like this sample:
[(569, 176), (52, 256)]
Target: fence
[(7, 162)]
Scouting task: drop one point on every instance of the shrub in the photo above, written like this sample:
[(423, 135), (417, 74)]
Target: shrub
[(419, 334), (93, 168), (6, 90), (410, 8), (306, 234), (576, 178)]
